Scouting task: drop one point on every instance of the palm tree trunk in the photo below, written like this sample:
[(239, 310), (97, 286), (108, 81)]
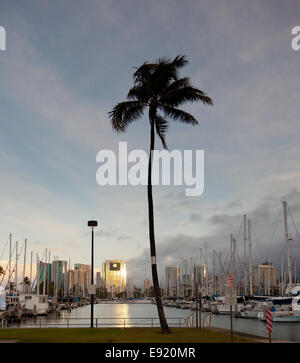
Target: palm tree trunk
[(160, 309)]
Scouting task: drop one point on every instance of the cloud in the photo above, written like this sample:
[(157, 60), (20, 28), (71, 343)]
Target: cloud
[(267, 239), (194, 217), (73, 244), (223, 219), (124, 237), (36, 85), (234, 204), (102, 233)]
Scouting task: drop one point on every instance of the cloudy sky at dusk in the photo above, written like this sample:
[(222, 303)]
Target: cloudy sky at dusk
[(68, 63)]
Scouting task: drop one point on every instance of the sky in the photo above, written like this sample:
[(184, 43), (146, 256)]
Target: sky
[(67, 63)]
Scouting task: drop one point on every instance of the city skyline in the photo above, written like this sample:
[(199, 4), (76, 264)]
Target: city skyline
[(206, 266)]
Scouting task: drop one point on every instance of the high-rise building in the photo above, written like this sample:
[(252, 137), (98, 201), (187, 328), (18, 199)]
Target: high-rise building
[(69, 282), (202, 280), (98, 280), (147, 284), (147, 287), (265, 277), (202, 272), (80, 288), (84, 279), (58, 269), (44, 272), (114, 276), (172, 280)]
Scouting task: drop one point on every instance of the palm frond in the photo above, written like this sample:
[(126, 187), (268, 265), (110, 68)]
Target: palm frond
[(185, 94), (124, 113), (180, 61), (143, 73), (161, 126), (139, 93), (179, 115), (175, 86)]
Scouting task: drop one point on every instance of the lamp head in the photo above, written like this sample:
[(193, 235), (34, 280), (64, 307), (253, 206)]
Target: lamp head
[(92, 223)]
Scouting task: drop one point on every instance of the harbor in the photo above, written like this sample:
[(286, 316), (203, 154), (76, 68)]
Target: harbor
[(141, 315), (198, 293)]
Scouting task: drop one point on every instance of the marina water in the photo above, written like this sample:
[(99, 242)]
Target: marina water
[(141, 314)]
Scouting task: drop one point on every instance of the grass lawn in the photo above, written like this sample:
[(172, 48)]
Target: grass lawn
[(117, 335)]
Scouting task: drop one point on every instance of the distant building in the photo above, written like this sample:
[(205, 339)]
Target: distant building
[(44, 273), (80, 287), (265, 277), (114, 276), (172, 280), (203, 279), (99, 282), (147, 287), (147, 284), (69, 282), (83, 279), (202, 272), (59, 268)]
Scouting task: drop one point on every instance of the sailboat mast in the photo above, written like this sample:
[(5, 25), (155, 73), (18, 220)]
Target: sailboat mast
[(231, 254), (9, 262), (245, 243), (234, 267), (201, 263), (25, 246), (269, 276), (45, 272), (214, 272), (221, 273), (206, 270), (37, 275), (281, 273), (31, 270), (56, 275), (295, 271), (287, 238), (250, 258), (16, 272)]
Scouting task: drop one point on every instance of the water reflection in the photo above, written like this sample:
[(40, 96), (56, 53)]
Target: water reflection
[(110, 315)]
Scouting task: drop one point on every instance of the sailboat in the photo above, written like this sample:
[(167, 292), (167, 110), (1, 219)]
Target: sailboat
[(34, 304)]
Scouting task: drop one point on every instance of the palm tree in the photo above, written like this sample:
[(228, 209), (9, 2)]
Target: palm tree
[(157, 86)]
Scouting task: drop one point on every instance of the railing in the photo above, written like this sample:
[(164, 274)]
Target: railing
[(205, 320), (97, 322)]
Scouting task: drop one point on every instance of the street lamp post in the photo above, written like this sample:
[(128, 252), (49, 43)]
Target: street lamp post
[(92, 224)]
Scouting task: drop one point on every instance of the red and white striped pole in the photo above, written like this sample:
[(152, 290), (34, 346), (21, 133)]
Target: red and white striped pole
[(269, 319)]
